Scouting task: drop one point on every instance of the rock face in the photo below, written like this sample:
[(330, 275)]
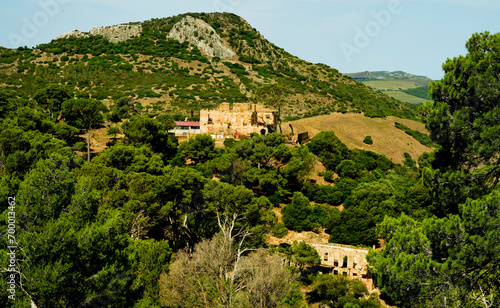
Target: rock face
[(75, 33), (118, 33), (197, 32), (114, 34)]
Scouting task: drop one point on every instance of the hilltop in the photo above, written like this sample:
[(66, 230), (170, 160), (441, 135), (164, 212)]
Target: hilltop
[(403, 86), (189, 62)]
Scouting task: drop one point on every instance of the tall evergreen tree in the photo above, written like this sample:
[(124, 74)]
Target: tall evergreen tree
[(453, 261), (85, 114), (463, 120)]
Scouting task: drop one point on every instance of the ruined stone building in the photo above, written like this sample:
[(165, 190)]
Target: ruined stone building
[(345, 260), (238, 120)]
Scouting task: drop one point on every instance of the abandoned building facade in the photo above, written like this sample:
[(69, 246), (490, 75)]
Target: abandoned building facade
[(345, 260), (237, 120)]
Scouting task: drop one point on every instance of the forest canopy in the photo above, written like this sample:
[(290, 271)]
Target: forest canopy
[(151, 222)]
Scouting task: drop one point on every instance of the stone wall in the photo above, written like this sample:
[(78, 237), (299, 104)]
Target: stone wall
[(237, 120), (332, 261)]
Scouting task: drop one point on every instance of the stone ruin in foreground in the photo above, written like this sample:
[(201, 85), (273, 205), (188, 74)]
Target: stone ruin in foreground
[(355, 267)]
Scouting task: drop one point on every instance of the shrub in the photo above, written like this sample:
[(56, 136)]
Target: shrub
[(347, 168), (248, 59), (375, 114), (420, 137), (329, 148), (279, 230), (330, 195), (328, 175), (80, 146), (368, 140), (296, 215), (342, 110), (340, 291)]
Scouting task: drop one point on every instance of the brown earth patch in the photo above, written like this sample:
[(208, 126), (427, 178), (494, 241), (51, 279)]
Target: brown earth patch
[(318, 237), (307, 236)]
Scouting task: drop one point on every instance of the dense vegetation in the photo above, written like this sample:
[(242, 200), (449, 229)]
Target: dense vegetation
[(151, 223), (368, 185), (422, 92), (420, 137), (121, 222)]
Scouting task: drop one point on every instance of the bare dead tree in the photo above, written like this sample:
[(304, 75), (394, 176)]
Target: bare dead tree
[(216, 275)]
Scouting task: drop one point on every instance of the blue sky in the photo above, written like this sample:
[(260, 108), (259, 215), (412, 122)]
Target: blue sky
[(415, 36)]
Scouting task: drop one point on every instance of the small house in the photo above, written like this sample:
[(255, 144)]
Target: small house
[(185, 129)]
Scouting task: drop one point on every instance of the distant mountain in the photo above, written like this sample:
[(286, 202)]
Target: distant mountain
[(185, 63), (385, 75), (400, 85)]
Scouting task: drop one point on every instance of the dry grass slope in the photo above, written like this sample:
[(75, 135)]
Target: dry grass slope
[(352, 128)]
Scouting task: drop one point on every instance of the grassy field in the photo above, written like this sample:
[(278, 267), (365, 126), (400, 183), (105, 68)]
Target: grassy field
[(352, 128), (405, 97), (396, 84), (394, 87)]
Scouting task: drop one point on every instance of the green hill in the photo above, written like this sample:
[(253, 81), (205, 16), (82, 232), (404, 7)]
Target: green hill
[(188, 62), (399, 85)]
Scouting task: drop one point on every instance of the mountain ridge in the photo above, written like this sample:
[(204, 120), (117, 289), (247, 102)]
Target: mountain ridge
[(171, 75), (385, 75), (398, 84)]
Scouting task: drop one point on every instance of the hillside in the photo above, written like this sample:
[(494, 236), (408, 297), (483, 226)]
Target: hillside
[(353, 128), (399, 85), (188, 62)]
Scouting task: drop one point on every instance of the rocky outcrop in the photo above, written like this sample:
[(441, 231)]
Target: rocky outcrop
[(118, 33), (75, 33), (114, 34), (197, 32)]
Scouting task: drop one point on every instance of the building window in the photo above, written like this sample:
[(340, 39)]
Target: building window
[(326, 256)]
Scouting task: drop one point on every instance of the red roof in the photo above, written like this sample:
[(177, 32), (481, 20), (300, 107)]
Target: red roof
[(186, 123)]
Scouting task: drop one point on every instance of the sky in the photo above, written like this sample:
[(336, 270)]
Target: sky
[(415, 36)]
